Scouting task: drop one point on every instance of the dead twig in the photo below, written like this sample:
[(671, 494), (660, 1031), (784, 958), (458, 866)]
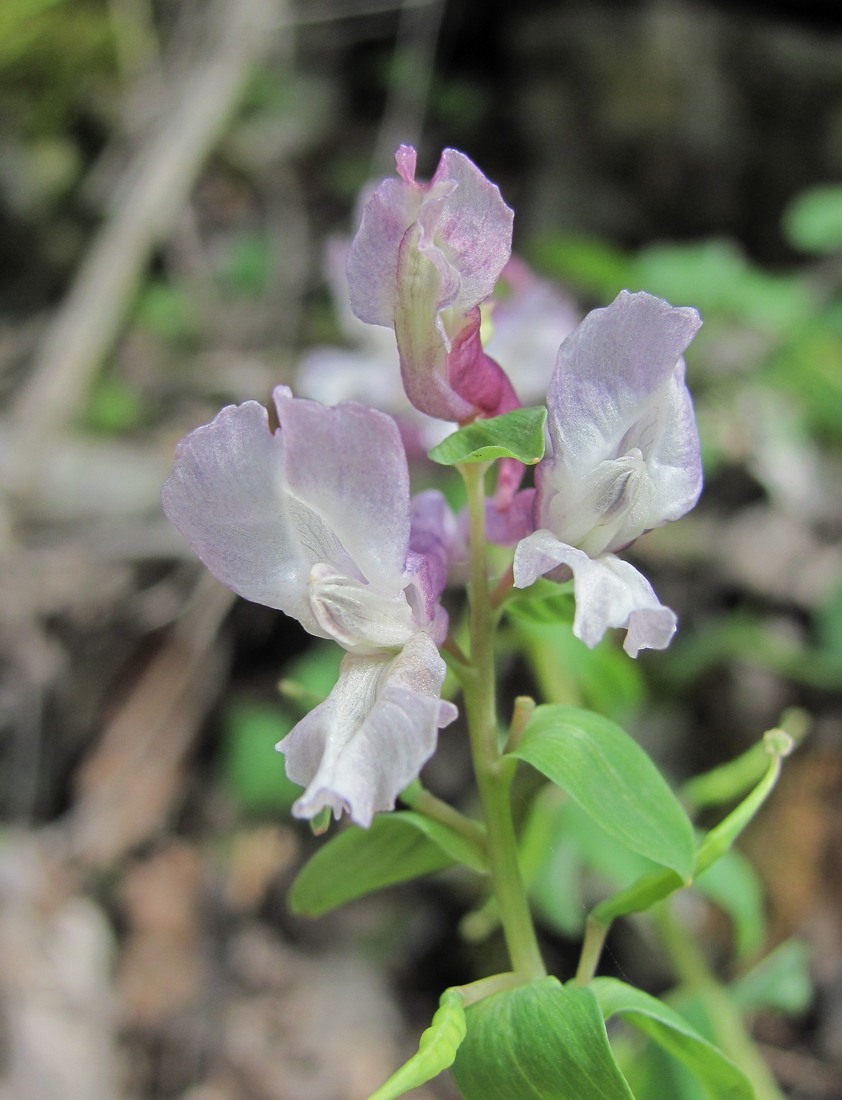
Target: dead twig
[(154, 192)]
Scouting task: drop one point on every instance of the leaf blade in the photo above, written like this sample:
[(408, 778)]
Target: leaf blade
[(540, 1041), (396, 847), (437, 1049), (613, 780), (674, 1035), (518, 434)]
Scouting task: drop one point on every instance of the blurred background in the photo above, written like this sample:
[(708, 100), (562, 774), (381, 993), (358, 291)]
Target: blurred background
[(171, 175)]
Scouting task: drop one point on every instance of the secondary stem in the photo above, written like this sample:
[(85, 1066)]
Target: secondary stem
[(730, 1031), (492, 780)]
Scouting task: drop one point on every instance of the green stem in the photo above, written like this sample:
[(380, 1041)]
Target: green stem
[(493, 780), (424, 802), (729, 1030)]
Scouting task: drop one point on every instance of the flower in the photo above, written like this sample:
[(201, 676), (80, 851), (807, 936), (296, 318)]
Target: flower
[(313, 518), (424, 257), (624, 458)]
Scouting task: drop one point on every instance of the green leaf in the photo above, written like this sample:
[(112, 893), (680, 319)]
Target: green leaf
[(452, 843), (436, 1049), (541, 1041), (252, 768), (780, 981), (613, 780), (813, 221), (670, 1031), (114, 406), (717, 278), (567, 672), (518, 434), (396, 848), (735, 886), (719, 839), (309, 679), (643, 894), (585, 263)]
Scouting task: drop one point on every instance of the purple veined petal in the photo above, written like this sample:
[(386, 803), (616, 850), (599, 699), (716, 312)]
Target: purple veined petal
[(372, 263), (527, 327), (423, 346), (227, 496), (608, 592), (475, 226), (445, 375), (610, 370), (347, 465), (464, 227), (625, 450), (330, 487), (670, 439), (369, 739), (475, 376)]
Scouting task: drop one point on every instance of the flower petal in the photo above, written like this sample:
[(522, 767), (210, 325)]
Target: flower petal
[(227, 496), (466, 233), (476, 226), (423, 258), (347, 466), (625, 450), (370, 738), (609, 593), (261, 508)]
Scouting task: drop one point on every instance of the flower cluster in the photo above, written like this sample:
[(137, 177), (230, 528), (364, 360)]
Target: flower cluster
[(314, 516)]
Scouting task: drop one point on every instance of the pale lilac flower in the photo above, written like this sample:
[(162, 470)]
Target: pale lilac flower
[(624, 458), (529, 318), (423, 259), (314, 519)]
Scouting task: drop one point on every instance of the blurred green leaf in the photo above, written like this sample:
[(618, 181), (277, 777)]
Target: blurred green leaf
[(559, 843), (247, 265), (746, 638), (716, 278), (780, 981), (544, 602), (813, 220), (113, 406), (735, 886), (252, 768), (310, 678), (584, 263), (166, 310), (568, 672), (829, 624)]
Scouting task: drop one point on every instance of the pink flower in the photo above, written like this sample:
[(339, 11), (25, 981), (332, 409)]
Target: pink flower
[(424, 257)]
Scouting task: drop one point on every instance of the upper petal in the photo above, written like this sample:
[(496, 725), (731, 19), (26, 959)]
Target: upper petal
[(474, 227), (347, 465), (227, 496), (609, 593), (610, 370), (370, 738), (261, 508), (463, 227), (624, 445)]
